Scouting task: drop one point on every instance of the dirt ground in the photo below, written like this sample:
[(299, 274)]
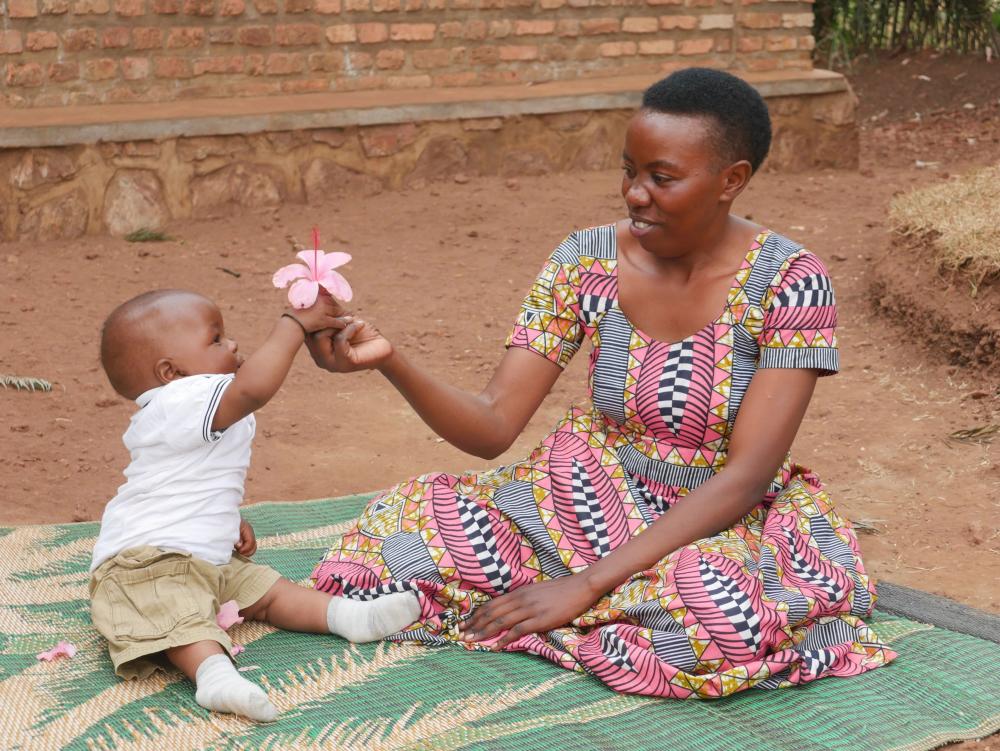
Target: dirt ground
[(442, 271)]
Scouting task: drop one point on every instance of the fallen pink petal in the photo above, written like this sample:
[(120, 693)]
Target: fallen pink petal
[(237, 649), (229, 615), (62, 649)]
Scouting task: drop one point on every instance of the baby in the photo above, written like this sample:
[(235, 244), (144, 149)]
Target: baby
[(172, 546)]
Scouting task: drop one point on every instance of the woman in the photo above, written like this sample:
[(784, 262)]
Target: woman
[(660, 538)]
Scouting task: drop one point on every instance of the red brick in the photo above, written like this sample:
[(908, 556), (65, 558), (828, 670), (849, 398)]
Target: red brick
[(464, 78), (328, 62), (305, 86), (36, 40), (664, 2), (101, 69), (185, 37), (147, 38), (22, 8), (218, 64), (678, 22), (77, 40), (135, 68), (410, 6), (451, 30), (618, 49), (640, 25), (166, 7), (204, 8), (716, 21), (409, 82), (372, 33), (501, 29), (424, 59), (386, 6), (266, 7), (750, 44), (780, 44), (254, 65), (11, 42), (694, 47), (724, 44), (586, 51), (554, 51), (26, 74), (797, 20), (222, 35), (762, 64), (298, 34), (116, 37), (393, 59), (172, 67), (568, 27), (229, 8), (593, 26), (360, 60), (412, 32), (551, 4), (255, 36), (360, 6), (534, 27), (482, 55), (130, 8), (91, 7), (760, 20), (122, 95), (361, 83), (657, 47), (512, 52), (62, 72), (341, 34), (328, 7), (807, 42), (54, 7), (298, 6)]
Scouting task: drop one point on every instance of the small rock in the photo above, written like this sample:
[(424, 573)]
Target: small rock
[(461, 178), (106, 402), (472, 233), (21, 427), (838, 257), (512, 184)]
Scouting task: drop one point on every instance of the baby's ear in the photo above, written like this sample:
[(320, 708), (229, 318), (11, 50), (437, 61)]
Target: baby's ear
[(166, 371)]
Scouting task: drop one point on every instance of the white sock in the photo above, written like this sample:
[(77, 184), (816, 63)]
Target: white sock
[(359, 621), (222, 689)]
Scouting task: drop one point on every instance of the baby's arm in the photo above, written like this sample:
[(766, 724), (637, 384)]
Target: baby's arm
[(262, 374)]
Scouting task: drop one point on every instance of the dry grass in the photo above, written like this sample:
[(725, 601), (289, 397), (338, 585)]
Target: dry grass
[(961, 217)]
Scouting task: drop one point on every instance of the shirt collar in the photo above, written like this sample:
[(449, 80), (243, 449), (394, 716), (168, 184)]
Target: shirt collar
[(147, 396)]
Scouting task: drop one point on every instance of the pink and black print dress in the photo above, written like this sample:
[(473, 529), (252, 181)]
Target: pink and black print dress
[(777, 600)]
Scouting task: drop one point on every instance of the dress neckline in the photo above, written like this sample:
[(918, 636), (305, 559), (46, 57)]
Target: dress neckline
[(734, 289)]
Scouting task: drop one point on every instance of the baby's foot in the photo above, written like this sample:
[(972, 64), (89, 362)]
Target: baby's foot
[(359, 621), (222, 689)]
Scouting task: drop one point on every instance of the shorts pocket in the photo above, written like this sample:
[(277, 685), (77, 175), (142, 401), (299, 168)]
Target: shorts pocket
[(148, 603)]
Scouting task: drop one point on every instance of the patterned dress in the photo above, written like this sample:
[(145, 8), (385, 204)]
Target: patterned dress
[(777, 600)]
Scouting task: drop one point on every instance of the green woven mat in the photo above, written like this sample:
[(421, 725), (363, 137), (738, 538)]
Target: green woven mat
[(336, 696)]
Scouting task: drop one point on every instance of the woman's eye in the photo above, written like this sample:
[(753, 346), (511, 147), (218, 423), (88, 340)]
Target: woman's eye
[(661, 179)]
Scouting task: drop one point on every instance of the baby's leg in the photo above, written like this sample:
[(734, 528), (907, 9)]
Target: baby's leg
[(289, 606), (218, 686)]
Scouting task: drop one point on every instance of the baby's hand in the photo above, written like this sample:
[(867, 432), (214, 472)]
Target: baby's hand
[(248, 540), (326, 313)]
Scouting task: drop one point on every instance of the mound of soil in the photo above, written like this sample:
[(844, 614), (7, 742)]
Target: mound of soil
[(952, 315)]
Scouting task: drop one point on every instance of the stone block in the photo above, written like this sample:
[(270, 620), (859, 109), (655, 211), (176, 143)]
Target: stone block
[(134, 200), (240, 185), (42, 167), (61, 218), (323, 179), (442, 158), (385, 140), (202, 147)]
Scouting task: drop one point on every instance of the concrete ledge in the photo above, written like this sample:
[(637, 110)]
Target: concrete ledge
[(66, 126)]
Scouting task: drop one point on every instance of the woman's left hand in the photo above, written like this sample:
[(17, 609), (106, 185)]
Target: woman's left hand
[(531, 609), (247, 544)]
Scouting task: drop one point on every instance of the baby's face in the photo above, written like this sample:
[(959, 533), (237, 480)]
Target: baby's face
[(196, 341)]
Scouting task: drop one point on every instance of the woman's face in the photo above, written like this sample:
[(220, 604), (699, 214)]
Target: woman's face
[(673, 185)]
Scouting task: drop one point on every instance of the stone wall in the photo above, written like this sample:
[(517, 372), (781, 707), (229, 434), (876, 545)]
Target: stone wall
[(68, 52), (65, 192)]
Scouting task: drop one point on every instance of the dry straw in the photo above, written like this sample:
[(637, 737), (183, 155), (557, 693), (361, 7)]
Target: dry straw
[(960, 219)]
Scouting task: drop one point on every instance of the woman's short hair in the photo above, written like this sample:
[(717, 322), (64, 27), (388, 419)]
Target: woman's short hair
[(742, 126)]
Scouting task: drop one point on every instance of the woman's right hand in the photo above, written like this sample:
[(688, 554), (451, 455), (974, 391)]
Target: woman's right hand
[(359, 346)]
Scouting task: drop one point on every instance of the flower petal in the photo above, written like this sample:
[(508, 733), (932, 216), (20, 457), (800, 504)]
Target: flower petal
[(287, 274), (228, 615), (312, 259), (303, 293), (237, 649), (330, 261), (60, 649), (337, 286)]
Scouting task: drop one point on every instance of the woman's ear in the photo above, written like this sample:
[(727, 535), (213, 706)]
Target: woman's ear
[(735, 178), (165, 371)]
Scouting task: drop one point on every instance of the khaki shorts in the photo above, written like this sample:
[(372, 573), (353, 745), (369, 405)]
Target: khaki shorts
[(146, 600)]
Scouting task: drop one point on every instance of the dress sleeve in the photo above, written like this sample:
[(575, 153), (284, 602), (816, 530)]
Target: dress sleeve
[(549, 320), (800, 318), (187, 408)]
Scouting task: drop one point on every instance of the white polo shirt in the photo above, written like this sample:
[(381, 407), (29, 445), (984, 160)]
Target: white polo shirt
[(184, 485)]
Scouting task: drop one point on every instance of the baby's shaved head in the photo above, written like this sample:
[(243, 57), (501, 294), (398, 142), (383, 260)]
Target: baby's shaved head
[(132, 337)]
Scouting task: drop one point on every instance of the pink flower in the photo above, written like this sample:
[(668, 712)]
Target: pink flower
[(237, 648), (317, 272), (60, 649), (228, 615)]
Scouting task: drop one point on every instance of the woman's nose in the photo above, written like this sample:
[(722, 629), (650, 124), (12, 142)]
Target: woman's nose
[(636, 195)]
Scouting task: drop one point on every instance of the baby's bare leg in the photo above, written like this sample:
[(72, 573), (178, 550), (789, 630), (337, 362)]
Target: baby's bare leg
[(289, 606), (217, 684)]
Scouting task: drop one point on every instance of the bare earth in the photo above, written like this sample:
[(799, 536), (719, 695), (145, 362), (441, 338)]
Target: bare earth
[(442, 271)]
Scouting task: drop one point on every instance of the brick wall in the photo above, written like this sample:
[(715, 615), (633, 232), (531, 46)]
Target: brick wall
[(55, 52)]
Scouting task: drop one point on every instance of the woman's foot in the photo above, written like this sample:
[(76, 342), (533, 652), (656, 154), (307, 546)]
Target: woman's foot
[(359, 621)]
